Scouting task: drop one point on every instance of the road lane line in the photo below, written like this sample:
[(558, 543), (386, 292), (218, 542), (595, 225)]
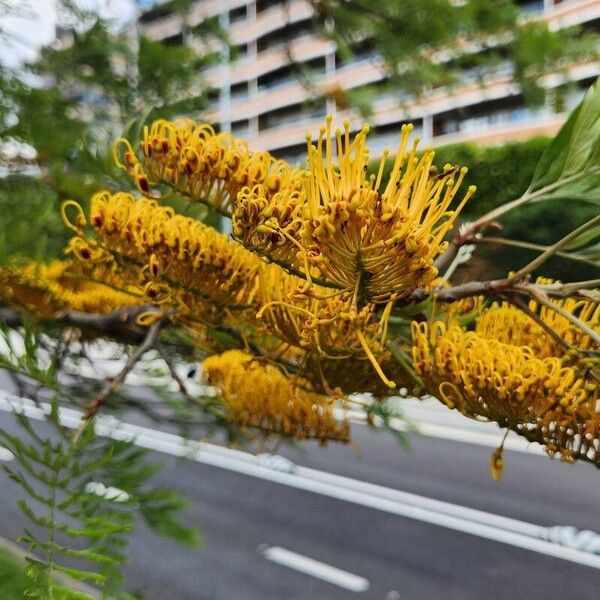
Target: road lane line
[(315, 568), (479, 523), (6, 455)]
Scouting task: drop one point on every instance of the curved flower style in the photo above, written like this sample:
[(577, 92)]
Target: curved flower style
[(325, 324), (47, 290), (540, 398), (260, 396), (203, 165), (379, 243)]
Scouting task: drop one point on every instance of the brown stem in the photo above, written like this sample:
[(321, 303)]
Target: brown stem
[(468, 236), (100, 398), (180, 383)]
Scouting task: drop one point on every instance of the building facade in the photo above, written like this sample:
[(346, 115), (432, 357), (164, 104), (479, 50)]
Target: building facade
[(262, 99)]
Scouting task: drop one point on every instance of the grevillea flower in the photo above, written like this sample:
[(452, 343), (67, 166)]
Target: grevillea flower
[(260, 396), (47, 290), (540, 398), (378, 242), (176, 252), (271, 223), (206, 277), (203, 165)]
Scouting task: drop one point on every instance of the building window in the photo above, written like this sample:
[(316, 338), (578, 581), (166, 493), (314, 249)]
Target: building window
[(292, 114), (293, 155), (287, 75), (158, 12), (286, 34), (240, 128), (238, 14), (364, 50), (484, 116), (239, 91), (240, 52), (531, 5), (262, 5), (174, 40)]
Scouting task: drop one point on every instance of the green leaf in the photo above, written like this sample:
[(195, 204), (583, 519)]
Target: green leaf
[(61, 592), (80, 574), (575, 148), (584, 239)]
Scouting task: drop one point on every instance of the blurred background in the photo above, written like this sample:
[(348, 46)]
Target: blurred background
[(487, 83)]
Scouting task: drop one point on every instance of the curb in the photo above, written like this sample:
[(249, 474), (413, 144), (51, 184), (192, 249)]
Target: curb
[(22, 554)]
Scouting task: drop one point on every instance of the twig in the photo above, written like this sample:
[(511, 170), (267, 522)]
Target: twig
[(97, 402), (501, 287), (563, 290), (119, 324), (464, 290), (468, 236), (552, 250), (535, 247), (180, 383)]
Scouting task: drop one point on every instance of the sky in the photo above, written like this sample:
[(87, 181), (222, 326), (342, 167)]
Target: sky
[(35, 26)]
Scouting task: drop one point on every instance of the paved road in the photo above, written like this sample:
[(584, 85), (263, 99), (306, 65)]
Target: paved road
[(401, 558)]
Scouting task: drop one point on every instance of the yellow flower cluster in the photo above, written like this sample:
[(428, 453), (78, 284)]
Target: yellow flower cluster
[(332, 220), (540, 398), (379, 242), (46, 290), (206, 277), (180, 260), (205, 166), (258, 395)]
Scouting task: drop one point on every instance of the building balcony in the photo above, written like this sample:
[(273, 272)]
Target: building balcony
[(572, 12)]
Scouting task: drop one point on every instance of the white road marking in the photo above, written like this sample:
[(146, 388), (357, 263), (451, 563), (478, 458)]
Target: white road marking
[(586, 540), (108, 493), (513, 532), (6, 455), (315, 568)]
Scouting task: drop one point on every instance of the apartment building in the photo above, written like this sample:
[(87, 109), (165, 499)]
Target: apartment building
[(262, 99)]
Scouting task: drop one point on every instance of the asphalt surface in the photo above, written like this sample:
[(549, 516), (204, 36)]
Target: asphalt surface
[(402, 559)]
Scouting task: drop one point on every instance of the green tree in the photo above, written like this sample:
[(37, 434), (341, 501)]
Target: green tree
[(72, 101), (430, 44)]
